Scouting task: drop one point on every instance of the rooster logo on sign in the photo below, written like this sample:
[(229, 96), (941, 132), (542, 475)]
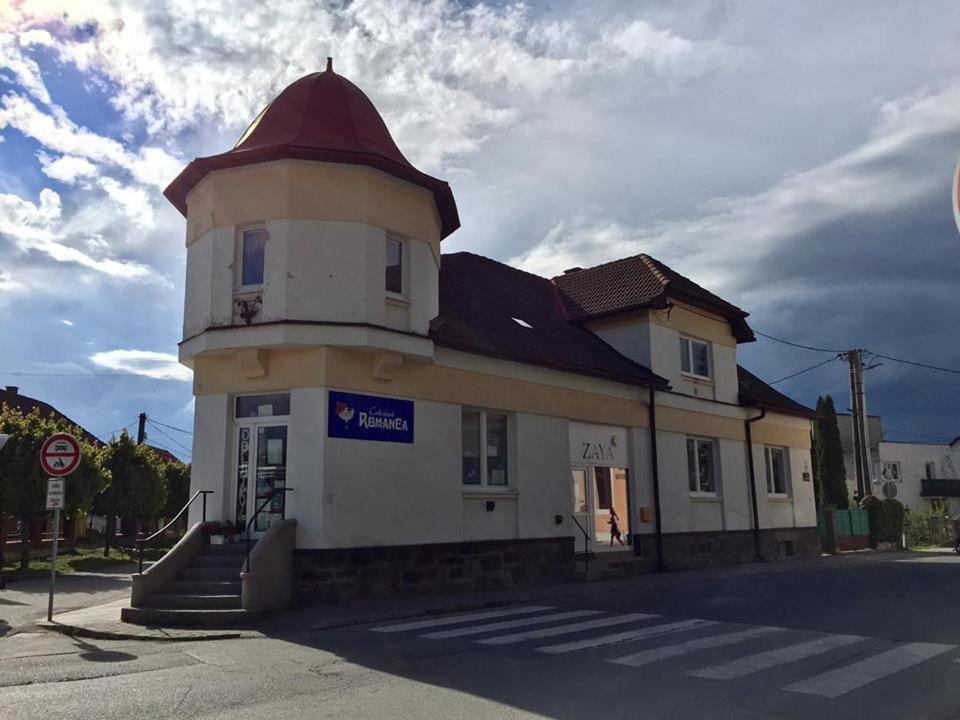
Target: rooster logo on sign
[(345, 413)]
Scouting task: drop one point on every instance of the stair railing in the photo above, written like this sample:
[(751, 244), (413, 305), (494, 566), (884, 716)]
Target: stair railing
[(586, 544), (143, 541), (266, 501)]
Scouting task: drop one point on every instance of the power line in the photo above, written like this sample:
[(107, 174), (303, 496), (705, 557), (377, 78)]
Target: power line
[(169, 449), (796, 345), (171, 439), (120, 430), (918, 337), (22, 373), (918, 364), (171, 427), (805, 370)]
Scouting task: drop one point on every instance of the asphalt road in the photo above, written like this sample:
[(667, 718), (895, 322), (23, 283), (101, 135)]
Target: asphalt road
[(868, 636)]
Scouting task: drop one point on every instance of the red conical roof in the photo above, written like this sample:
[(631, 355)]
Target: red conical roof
[(322, 116)]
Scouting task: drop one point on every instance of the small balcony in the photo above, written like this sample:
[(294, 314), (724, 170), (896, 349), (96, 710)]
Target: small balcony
[(939, 487)]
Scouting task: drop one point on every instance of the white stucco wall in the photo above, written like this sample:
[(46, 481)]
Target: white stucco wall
[(314, 270), (912, 457), (212, 455)]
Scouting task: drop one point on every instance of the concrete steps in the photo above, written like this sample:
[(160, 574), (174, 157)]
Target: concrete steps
[(206, 593)]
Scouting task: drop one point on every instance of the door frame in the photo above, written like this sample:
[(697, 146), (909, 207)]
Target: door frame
[(252, 423), (590, 472)]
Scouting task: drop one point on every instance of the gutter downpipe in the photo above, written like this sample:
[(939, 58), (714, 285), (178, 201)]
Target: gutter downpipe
[(652, 409), (753, 484)]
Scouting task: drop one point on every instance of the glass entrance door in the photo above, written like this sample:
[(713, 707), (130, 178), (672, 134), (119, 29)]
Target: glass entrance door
[(601, 505), (261, 469)]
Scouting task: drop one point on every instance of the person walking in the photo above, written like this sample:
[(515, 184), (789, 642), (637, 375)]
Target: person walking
[(614, 522)]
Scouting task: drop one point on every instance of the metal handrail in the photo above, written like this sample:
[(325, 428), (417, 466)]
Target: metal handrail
[(141, 541), (253, 517), (586, 544)]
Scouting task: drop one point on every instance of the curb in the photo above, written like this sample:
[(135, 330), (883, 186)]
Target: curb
[(90, 633)]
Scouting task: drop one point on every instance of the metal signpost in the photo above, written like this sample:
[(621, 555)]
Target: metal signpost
[(59, 456)]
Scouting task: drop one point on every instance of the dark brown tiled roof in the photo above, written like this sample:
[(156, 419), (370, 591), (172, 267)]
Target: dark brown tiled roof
[(13, 399), (639, 282), (754, 392), (480, 297)]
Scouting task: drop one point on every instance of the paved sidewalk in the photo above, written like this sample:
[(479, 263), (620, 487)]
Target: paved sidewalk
[(102, 622), (24, 602)]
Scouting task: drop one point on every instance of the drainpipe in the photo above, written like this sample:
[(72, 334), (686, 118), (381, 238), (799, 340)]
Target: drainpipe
[(652, 409), (753, 484)]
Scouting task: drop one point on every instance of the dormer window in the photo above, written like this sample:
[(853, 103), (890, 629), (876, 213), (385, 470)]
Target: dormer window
[(394, 267), (695, 358), (253, 246)]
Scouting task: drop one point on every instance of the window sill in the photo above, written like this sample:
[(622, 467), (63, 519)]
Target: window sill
[(701, 497), (397, 299), (699, 379), (487, 493), (776, 497)]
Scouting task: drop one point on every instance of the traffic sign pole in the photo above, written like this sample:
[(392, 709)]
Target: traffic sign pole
[(59, 456), (53, 563)]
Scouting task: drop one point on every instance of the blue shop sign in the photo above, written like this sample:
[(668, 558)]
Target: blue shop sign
[(367, 417)]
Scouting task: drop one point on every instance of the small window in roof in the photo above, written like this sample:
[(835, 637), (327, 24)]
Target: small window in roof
[(522, 323)]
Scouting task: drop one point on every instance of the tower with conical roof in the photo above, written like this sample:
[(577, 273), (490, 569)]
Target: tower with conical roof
[(312, 233)]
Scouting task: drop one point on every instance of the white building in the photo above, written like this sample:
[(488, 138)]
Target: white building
[(447, 421), (924, 474)]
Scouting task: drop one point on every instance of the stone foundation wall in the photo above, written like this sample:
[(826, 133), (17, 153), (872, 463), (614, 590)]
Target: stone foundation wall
[(682, 551), (323, 577)]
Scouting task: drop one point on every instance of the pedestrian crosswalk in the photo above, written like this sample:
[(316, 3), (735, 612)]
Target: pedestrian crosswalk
[(849, 662)]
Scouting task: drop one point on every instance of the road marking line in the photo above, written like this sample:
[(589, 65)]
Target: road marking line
[(461, 617), (566, 629), (508, 624), (714, 641), (771, 658), (850, 677), (628, 636)]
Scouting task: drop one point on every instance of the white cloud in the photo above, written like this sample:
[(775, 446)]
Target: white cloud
[(68, 323), (734, 232), (38, 226), (25, 71), (161, 366), (67, 169), (133, 200)]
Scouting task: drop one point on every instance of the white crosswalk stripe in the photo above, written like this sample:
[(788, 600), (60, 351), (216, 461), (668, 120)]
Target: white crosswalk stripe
[(566, 629), (750, 664), (708, 643), (461, 618), (850, 677), (509, 624), (628, 636)]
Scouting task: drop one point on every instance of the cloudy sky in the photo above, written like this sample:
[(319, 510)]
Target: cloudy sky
[(796, 158)]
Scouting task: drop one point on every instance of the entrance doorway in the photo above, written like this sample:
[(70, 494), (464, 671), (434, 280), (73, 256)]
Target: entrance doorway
[(598, 491), (261, 468)]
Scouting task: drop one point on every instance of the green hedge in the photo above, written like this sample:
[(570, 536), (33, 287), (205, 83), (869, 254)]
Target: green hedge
[(886, 519)]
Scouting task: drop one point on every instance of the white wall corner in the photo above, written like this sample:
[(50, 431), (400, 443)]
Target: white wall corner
[(253, 362), (386, 365)]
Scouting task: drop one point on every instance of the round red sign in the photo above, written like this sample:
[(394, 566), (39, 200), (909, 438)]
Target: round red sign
[(60, 455)]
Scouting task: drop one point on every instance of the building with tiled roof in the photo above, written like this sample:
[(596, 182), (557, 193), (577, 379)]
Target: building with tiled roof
[(390, 419)]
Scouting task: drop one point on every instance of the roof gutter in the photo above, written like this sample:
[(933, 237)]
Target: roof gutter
[(655, 474), (753, 484)]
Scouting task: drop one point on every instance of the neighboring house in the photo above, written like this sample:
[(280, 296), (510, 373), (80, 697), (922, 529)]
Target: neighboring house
[(446, 420), (874, 438), (925, 474)]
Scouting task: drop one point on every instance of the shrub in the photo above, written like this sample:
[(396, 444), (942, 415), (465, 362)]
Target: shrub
[(886, 519)]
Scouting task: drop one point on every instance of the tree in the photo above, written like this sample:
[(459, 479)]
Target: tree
[(177, 477), (136, 489), (830, 474), (23, 482)]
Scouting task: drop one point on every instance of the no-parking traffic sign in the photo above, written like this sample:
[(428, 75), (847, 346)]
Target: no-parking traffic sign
[(60, 454)]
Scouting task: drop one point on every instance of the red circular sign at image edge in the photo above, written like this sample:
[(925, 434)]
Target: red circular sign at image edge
[(60, 455)]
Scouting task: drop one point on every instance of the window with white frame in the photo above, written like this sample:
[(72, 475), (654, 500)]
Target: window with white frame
[(702, 466), (776, 460), (930, 470), (484, 447), (253, 250), (393, 282), (695, 358), (890, 471)]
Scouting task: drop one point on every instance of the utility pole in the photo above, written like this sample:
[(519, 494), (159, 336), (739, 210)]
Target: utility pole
[(142, 429), (858, 419)]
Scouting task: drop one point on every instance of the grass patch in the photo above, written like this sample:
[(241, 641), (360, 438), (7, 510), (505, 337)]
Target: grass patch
[(79, 559)]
